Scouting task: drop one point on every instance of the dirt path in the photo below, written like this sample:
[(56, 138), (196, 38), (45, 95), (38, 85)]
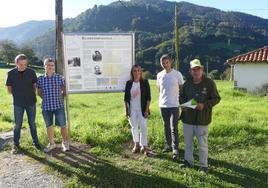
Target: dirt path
[(18, 171)]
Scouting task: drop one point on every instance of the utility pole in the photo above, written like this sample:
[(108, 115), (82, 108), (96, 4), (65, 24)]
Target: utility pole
[(59, 30), (177, 36), (194, 25), (207, 67), (59, 57)]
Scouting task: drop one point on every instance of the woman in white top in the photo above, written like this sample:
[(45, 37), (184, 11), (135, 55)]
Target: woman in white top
[(137, 101)]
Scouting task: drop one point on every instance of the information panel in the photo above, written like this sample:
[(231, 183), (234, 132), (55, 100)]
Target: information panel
[(97, 62)]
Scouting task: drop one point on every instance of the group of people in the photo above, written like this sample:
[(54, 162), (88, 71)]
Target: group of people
[(173, 91), (22, 83)]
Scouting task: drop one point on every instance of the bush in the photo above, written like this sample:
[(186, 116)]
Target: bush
[(263, 90), (148, 75)]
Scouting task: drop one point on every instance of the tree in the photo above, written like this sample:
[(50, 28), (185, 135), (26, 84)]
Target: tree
[(226, 75), (135, 22), (214, 75), (32, 59), (8, 51)]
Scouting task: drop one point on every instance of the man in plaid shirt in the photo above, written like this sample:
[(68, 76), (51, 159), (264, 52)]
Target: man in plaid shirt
[(51, 88)]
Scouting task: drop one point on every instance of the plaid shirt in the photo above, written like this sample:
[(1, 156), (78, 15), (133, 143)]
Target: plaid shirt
[(51, 89)]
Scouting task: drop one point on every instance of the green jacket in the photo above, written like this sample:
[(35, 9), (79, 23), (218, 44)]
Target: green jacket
[(205, 92)]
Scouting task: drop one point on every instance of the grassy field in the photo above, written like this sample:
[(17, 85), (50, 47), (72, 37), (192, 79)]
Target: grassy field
[(238, 143)]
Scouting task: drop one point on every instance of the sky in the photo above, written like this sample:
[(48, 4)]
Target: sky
[(14, 12)]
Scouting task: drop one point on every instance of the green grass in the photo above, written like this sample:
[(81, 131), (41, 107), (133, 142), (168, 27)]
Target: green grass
[(238, 143)]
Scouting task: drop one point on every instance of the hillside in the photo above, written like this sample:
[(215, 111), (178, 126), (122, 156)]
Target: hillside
[(25, 32), (207, 33)]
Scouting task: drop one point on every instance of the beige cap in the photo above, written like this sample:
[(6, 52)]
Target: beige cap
[(195, 63)]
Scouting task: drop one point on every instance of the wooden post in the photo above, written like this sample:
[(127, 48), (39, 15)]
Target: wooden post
[(59, 44), (60, 68), (207, 67), (177, 36)]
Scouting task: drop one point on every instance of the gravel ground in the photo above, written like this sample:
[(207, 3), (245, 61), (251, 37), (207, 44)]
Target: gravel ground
[(18, 171)]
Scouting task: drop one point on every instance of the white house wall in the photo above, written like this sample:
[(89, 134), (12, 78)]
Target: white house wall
[(251, 76)]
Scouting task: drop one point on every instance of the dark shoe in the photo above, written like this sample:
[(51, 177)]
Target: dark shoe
[(15, 149), (167, 149), (203, 170), (37, 146), (175, 156), (186, 164), (148, 152)]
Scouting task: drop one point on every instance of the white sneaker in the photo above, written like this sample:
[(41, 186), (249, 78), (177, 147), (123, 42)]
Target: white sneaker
[(50, 147), (175, 152), (65, 146)]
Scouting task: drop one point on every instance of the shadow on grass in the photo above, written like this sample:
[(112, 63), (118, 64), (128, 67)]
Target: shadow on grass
[(86, 169), (232, 173), (238, 137), (244, 177), (168, 156)]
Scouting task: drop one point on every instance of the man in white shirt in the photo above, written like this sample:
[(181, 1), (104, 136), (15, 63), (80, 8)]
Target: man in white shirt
[(169, 82)]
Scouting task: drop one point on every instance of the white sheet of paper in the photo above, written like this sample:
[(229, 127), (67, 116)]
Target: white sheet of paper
[(188, 104)]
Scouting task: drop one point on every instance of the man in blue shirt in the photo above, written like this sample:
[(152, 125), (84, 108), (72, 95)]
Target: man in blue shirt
[(21, 83), (51, 88)]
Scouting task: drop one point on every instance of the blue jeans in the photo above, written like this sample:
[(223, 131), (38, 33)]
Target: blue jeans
[(18, 117), (60, 119)]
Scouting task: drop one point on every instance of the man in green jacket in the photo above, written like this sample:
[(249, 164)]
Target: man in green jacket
[(196, 119)]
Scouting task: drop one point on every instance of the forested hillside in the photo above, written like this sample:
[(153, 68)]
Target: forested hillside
[(207, 33)]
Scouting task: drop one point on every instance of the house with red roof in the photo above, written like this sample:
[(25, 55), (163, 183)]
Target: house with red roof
[(250, 70)]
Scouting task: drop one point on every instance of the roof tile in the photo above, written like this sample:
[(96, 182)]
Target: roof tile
[(259, 55)]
